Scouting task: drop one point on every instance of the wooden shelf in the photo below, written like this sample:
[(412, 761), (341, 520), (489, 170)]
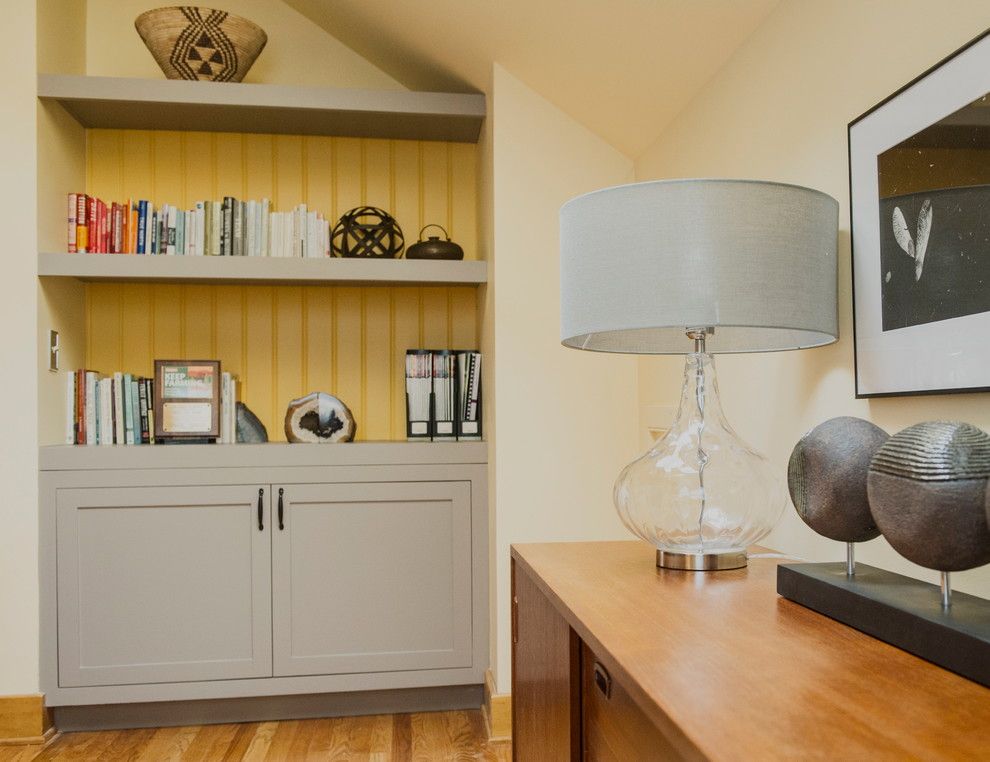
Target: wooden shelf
[(153, 104), (262, 270), (271, 455)]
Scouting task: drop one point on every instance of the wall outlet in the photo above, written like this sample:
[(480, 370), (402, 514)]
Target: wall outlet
[(53, 349)]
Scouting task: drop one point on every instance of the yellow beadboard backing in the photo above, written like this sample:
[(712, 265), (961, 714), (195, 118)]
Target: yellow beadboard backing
[(283, 341), (418, 182)]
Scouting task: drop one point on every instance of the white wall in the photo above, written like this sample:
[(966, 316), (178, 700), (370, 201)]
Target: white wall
[(565, 420), (297, 53), (18, 306), (778, 111)]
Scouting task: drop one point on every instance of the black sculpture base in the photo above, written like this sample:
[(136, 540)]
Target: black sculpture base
[(899, 610)]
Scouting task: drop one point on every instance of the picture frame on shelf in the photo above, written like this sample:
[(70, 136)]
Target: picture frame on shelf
[(187, 400), (919, 180)]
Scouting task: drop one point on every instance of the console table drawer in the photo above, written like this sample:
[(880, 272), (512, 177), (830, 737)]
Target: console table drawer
[(614, 729)]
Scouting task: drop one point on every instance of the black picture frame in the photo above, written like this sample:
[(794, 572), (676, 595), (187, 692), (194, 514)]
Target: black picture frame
[(922, 367)]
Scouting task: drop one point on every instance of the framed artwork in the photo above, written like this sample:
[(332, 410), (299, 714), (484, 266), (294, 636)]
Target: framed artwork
[(919, 182), (187, 400)]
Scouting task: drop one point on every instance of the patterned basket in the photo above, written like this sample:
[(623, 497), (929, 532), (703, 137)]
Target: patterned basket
[(190, 42)]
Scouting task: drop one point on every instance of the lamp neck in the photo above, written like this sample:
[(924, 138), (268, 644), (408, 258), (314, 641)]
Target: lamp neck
[(699, 335)]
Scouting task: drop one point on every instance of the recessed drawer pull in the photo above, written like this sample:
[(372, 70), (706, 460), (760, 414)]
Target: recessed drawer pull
[(602, 680)]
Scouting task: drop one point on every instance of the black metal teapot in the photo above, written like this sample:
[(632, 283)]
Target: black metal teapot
[(434, 248)]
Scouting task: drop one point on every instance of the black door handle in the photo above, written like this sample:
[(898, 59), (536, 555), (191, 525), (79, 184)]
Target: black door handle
[(261, 510), (281, 526)]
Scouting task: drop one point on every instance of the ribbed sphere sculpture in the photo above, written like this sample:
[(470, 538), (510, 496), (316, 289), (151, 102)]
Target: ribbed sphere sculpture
[(826, 476), (367, 231), (928, 491)]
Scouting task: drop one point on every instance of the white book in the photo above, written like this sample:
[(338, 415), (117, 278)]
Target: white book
[(311, 235), (288, 234), (224, 406), (200, 228), (149, 228), (217, 228), (258, 213), (118, 407), (233, 410), (188, 234), (90, 408), (70, 408), (249, 215), (106, 411), (171, 230), (266, 209)]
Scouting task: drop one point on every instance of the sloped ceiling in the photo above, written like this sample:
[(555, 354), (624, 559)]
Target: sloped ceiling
[(623, 68)]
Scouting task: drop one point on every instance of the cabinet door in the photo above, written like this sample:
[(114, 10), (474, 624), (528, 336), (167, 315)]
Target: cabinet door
[(546, 685), (163, 584), (372, 577)]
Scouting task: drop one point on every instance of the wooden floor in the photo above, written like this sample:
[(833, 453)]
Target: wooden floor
[(426, 737)]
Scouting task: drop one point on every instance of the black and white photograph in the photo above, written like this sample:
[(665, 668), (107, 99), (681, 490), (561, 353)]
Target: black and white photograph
[(920, 198)]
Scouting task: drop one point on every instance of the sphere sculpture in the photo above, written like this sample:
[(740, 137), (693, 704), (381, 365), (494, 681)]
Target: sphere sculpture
[(319, 417), (367, 231), (827, 474), (928, 494)]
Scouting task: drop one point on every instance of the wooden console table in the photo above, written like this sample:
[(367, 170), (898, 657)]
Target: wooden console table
[(614, 659)]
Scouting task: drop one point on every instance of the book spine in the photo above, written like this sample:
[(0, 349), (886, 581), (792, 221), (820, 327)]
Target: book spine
[(131, 227), (237, 223), (170, 232), (118, 408), (249, 216), (73, 205), (143, 409), (142, 225), (266, 210), (92, 228), (82, 226), (200, 216), (70, 408), (128, 411), (106, 411), (227, 234), (216, 245), (151, 411), (135, 411), (90, 407), (117, 226)]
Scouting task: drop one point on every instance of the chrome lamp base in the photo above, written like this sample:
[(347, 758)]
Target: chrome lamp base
[(701, 561)]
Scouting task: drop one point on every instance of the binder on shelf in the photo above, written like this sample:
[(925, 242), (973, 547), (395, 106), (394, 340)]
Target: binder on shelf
[(419, 394), (468, 411), (444, 395)]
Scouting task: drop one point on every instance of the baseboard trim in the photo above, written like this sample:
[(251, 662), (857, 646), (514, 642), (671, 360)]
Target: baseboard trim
[(266, 708), (497, 711), (24, 719)]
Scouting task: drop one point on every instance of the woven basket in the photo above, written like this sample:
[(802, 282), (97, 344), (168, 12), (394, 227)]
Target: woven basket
[(190, 42)]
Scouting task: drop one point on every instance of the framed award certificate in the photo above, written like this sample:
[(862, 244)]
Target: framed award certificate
[(187, 400)]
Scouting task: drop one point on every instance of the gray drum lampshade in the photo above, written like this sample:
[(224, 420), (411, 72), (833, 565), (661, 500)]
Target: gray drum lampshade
[(755, 260)]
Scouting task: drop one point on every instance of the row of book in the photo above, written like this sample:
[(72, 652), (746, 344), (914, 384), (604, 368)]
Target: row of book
[(117, 409), (443, 395), (227, 228), (120, 409)]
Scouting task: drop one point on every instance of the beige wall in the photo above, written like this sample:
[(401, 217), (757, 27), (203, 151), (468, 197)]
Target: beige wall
[(298, 52), (18, 305), (565, 420), (778, 111)]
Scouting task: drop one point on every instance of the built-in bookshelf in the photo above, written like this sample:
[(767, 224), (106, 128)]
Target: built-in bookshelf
[(285, 326)]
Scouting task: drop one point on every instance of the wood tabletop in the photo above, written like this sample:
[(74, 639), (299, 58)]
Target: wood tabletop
[(730, 670)]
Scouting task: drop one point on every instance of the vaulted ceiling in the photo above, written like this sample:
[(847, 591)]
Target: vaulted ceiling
[(623, 68)]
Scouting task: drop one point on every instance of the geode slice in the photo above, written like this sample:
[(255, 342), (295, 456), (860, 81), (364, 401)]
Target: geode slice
[(319, 417), (826, 476), (928, 492)]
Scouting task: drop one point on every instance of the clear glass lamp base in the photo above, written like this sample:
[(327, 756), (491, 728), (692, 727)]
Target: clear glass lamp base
[(700, 495)]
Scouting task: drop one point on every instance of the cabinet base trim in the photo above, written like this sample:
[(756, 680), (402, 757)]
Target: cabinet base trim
[(266, 708), (497, 711), (24, 719)]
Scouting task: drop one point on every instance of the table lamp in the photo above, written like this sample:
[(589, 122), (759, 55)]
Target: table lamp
[(699, 267)]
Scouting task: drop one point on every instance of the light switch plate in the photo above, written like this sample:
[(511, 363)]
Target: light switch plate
[(53, 351)]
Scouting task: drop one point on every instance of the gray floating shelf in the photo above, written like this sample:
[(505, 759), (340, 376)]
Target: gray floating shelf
[(153, 104), (276, 454), (262, 270)]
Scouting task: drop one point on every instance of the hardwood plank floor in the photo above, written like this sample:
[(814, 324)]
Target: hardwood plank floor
[(425, 737)]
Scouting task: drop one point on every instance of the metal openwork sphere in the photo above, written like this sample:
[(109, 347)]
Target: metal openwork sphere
[(367, 231)]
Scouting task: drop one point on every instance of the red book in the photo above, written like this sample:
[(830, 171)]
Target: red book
[(104, 229), (92, 222)]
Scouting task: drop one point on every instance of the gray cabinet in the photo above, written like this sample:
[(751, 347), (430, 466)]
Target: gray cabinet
[(163, 584), (372, 577), (159, 584)]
